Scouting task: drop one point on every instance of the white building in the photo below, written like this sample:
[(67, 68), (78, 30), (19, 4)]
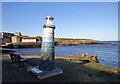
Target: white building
[(29, 40)]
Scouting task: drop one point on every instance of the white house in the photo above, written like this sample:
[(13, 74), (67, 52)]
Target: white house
[(29, 40)]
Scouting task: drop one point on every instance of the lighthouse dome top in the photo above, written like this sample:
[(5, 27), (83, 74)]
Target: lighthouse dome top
[(49, 17)]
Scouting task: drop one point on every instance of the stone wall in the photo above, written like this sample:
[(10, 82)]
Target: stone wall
[(27, 45)]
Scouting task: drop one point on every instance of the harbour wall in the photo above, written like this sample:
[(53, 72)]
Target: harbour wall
[(23, 45)]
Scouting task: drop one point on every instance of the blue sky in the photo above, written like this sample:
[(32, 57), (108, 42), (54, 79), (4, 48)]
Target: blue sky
[(90, 20)]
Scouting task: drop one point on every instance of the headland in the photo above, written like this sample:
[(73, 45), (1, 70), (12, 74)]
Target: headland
[(11, 40)]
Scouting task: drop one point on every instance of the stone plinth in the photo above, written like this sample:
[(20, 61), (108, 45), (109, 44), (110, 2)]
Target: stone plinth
[(42, 74)]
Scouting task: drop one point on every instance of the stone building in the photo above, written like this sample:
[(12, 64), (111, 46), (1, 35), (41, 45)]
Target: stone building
[(18, 34), (6, 37), (18, 38)]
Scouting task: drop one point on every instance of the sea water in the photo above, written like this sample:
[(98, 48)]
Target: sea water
[(107, 54)]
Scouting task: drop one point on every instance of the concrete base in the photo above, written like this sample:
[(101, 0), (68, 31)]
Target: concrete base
[(44, 73)]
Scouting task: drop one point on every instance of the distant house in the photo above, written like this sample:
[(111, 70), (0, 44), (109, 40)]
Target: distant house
[(9, 37), (18, 38), (6, 37), (3, 34), (29, 39)]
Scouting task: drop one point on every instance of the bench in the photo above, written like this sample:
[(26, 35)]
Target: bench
[(18, 59)]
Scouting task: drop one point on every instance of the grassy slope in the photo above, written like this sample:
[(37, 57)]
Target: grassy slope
[(79, 71)]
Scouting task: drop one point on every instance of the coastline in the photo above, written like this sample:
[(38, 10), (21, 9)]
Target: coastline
[(104, 52), (74, 57), (38, 44), (74, 70)]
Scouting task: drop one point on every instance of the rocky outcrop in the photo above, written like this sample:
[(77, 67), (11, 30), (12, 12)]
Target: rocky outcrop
[(77, 42), (72, 42)]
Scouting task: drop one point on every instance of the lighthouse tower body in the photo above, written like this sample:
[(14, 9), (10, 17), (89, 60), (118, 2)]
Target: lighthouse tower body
[(47, 49), (46, 66)]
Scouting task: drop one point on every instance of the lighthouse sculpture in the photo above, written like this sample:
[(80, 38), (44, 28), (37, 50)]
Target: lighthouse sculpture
[(46, 66), (47, 49)]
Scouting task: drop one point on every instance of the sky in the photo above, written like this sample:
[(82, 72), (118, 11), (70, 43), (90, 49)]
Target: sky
[(89, 20)]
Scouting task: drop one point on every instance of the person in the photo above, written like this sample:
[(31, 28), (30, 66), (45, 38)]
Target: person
[(86, 54), (83, 55)]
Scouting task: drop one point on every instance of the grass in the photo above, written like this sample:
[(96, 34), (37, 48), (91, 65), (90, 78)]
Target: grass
[(81, 71)]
